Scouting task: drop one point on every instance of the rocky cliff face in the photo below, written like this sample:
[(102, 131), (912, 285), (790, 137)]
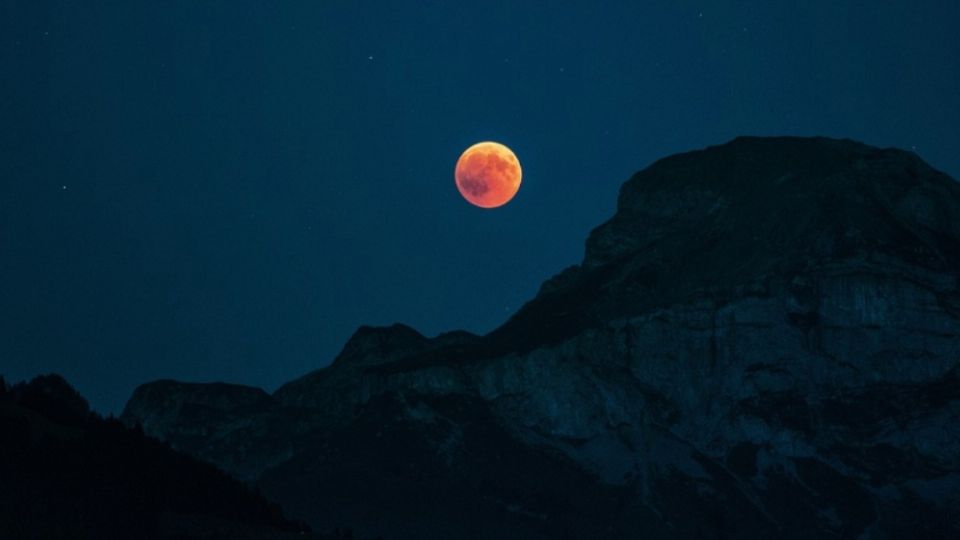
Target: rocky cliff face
[(764, 340)]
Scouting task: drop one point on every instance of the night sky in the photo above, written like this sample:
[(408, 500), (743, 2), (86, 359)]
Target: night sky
[(226, 190)]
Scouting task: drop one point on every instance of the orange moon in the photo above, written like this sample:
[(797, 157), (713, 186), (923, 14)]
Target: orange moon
[(488, 174)]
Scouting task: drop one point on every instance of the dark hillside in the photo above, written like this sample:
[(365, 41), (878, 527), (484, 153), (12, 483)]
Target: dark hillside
[(68, 473)]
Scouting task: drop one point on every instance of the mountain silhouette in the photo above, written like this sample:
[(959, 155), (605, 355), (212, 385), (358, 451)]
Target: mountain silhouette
[(68, 473), (762, 342)]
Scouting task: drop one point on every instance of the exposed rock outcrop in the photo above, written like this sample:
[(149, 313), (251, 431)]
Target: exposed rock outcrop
[(764, 340)]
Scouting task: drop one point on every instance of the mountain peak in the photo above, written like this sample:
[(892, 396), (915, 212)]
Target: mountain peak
[(370, 344), (54, 397), (160, 404), (769, 193), (708, 223)]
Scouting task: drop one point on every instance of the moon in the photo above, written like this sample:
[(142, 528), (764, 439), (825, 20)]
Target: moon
[(488, 174)]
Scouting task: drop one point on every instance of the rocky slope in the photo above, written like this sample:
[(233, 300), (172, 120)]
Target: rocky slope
[(764, 340)]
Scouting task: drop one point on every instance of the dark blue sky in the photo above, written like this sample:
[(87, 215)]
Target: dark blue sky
[(226, 190)]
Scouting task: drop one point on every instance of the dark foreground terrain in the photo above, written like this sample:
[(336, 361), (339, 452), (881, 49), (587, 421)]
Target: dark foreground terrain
[(68, 474)]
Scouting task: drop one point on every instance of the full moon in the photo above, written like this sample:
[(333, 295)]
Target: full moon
[(488, 174)]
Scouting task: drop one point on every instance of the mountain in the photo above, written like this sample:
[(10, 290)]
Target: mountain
[(764, 341), (68, 473)]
